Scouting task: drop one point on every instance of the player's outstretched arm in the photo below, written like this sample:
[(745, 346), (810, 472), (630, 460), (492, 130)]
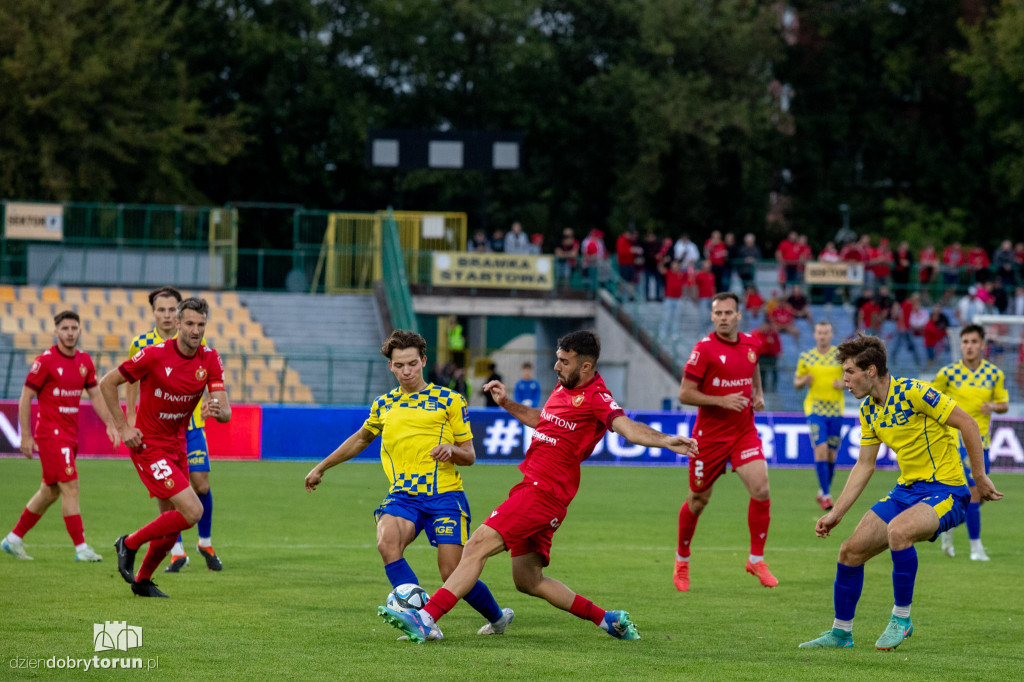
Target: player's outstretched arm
[(756, 390), (109, 384), (968, 428), (352, 446), (99, 405), (530, 416), (642, 434), (855, 484), (28, 443)]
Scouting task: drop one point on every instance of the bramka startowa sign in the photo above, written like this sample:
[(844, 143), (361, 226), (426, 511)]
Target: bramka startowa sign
[(492, 271)]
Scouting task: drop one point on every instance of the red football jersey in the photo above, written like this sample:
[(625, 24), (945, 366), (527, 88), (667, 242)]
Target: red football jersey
[(171, 385), (59, 381), (572, 422), (720, 368)]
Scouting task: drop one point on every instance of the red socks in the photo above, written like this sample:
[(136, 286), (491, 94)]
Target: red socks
[(169, 522), (585, 609), (440, 603), (25, 523), (158, 550), (74, 526), (687, 526), (758, 518)]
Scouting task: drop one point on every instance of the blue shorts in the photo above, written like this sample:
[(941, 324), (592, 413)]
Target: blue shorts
[(967, 463), (444, 518), (198, 452), (825, 430), (949, 501)]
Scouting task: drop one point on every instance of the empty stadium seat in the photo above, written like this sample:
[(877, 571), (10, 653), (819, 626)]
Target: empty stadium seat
[(7, 294)]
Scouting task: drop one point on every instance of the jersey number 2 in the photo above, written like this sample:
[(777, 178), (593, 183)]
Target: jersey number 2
[(160, 470)]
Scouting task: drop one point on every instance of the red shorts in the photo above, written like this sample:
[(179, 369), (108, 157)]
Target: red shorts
[(58, 460), (527, 520), (710, 463), (164, 473)]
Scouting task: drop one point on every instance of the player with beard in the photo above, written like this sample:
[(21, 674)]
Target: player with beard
[(570, 424), (722, 378)]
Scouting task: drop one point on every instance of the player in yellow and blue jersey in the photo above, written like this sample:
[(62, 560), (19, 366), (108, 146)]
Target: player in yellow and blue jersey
[(164, 303), (930, 496), (821, 373), (979, 388), (425, 433)]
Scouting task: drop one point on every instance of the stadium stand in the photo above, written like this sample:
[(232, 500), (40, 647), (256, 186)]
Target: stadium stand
[(112, 317)]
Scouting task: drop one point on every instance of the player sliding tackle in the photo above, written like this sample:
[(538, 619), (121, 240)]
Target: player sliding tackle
[(931, 494), (568, 427)]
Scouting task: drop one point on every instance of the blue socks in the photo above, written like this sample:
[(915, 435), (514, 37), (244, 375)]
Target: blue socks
[(481, 599), (904, 571), (974, 520), (824, 477), (206, 520), (831, 473), (848, 586), (400, 573)]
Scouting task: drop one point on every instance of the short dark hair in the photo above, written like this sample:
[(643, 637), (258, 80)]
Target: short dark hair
[(72, 315), (401, 339), (722, 295), (584, 343), (164, 291), (192, 303), (973, 329), (865, 351), (527, 365)]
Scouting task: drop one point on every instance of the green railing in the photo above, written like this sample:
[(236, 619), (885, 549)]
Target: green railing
[(395, 280)]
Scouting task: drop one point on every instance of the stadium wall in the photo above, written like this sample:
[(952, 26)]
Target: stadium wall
[(312, 432)]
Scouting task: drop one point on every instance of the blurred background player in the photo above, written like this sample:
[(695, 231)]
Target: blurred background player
[(820, 372), (979, 388), (722, 379), (572, 422), (164, 302), (527, 389), (426, 433), (172, 377), (930, 496), (57, 378)]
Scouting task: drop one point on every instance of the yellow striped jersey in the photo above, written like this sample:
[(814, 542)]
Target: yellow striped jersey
[(412, 425), (911, 421), (822, 397), (151, 338), (972, 388)]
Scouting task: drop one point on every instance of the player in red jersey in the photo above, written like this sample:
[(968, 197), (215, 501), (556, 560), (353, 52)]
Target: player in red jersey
[(57, 377), (172, 377), (568, 427), (722, 379)]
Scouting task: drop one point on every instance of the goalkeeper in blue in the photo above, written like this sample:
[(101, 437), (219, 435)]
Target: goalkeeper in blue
[(930, 497)]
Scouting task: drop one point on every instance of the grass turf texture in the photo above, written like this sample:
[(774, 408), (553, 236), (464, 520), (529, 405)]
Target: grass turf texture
[(302, 580)]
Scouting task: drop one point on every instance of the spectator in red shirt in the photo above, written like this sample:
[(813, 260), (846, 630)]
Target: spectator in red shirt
[(771, 349), (935, 334), (567, 252), (904, 334), (675, 280), (752, 305), (716, 252), (903, 263), (929, 263), (705, 280), (781, 317), (626, 250), (881, 261), (952, 260), (594, 253), (856, 252), (977, 264), (788, 256)]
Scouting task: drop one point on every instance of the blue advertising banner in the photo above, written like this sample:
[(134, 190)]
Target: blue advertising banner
[(312, 433)]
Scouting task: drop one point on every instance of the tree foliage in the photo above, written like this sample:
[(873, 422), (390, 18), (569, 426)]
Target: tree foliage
[(95, 106)]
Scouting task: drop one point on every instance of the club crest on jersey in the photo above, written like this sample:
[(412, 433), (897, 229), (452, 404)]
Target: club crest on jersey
[(931, 396), (751, 356), (169, 483), (577, 400), (69, 470), (200, 374)]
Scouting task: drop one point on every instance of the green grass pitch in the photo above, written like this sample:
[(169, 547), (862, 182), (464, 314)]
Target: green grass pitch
[(297, 598)]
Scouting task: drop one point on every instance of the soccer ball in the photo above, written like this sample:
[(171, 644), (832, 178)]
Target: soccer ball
[(407, 597)]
